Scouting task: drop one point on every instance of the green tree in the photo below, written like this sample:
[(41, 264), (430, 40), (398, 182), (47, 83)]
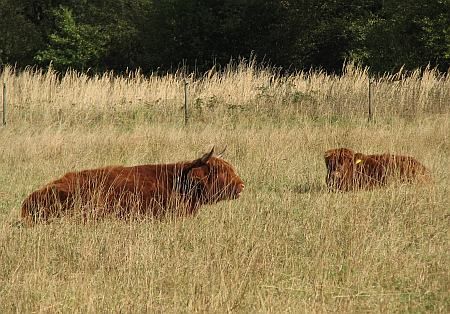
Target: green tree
[(327, 31), (292, 34), (72, 45), (163, 34), (124, 22), (200, 33), (19, 39), (407, 33)]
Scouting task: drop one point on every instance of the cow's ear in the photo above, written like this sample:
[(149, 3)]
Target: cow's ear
[(199, 175), (358, 158), (328, 162), (328, 154)]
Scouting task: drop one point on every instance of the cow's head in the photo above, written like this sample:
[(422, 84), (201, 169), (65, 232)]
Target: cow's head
[(341, 166), (210, 179)]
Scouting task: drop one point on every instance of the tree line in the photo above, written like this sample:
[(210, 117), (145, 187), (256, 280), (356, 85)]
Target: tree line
[(162, 35)]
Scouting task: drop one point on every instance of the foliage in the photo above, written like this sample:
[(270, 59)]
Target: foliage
[(162, 35), (18, 38), (72, 45), (410, 33)]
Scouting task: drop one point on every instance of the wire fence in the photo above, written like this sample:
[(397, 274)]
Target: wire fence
[(245, 91)]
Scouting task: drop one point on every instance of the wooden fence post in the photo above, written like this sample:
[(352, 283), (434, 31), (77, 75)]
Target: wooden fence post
[(370, 101), (4, 104), (185, 102)]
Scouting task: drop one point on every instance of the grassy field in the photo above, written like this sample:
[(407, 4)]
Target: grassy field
[(287, 245)]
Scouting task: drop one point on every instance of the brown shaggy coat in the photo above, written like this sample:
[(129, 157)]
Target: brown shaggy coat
[(347, 170), (154, 190)]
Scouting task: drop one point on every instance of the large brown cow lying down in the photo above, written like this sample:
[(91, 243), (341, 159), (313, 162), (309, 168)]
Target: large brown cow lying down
[(347, 170), (153, 190)]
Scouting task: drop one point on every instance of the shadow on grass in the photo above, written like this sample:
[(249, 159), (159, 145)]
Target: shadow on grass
[(309, 187)]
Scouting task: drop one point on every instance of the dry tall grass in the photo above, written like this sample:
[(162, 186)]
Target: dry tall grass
[(287, 245)]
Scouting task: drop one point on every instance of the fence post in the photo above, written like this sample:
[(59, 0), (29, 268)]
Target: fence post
[(4, 104), (370, 101), (185, 102)]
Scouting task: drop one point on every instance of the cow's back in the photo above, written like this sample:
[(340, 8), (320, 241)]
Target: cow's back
[(107, 189), (404, 168)]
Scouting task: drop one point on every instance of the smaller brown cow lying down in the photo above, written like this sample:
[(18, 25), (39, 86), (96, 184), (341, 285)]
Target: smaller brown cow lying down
[(347, 170), (152, 190)]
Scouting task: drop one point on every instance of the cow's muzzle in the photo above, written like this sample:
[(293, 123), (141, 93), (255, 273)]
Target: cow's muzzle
[(238, 190)]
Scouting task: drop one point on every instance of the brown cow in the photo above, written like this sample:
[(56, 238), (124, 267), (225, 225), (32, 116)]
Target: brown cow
[(347, 170), (154, 190)]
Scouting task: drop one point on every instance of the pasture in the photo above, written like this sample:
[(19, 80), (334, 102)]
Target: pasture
[(287, 245)]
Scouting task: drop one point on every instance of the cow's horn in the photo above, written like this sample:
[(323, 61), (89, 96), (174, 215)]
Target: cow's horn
[(197, 163), (223, 151), (206, 156)]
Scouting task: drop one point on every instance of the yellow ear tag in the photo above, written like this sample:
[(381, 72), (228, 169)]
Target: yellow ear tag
[(358, 161)]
